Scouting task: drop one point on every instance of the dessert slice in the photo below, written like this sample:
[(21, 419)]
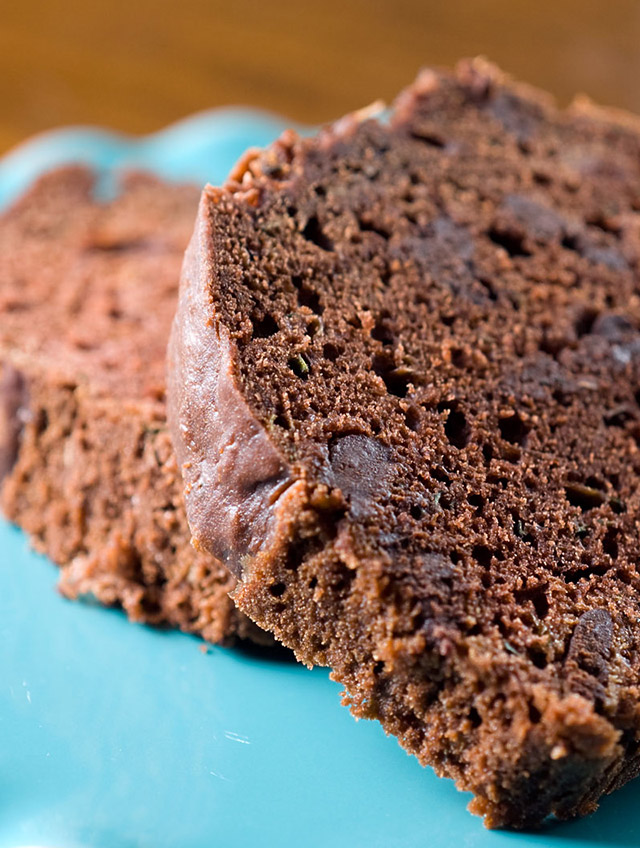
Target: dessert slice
[(405, 392), (87, 294)]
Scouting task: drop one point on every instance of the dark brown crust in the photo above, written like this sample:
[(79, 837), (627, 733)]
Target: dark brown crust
[(503, 653), (86, 463), (230, 467)]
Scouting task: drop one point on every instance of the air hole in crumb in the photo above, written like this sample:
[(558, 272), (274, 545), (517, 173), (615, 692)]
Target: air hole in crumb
[(277, 590), (487, 452), (346, 579), (314, 233), (596, 483), (455, 557), (614, 479), (541, 178), (534, 714), (570, 242), (610, 543), (521, 531), (562, 397), (457, 429), (537, 596), (537, 657), (412, 418), (585, 497), (513, 429), (577, 574), (442, 501), (383, 334), (510, 241), (416, 512), (331, 351), (459, 358), (378, 668), (41, 421), (474, 717), (281, 421), (385, 276), (397, 384), (488, 285), (429, 137), (482, 555), (367, 226), (264, 327), (299, 366), (476, 501), (313, 327), (585, 322), (619, 416), (439, 473), (313, 582), (307, 296)]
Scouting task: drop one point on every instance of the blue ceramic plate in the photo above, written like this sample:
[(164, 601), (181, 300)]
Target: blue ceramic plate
[(114, 735)]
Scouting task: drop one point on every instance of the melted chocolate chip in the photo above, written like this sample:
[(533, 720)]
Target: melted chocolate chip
[(588, 655), (590, 643), (612, 326), (536, 220), (360, 466)]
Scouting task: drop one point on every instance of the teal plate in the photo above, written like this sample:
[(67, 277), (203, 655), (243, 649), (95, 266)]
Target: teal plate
[(114, 735)]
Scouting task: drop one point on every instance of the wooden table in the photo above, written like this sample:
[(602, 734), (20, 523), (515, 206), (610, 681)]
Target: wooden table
[(139, 64)]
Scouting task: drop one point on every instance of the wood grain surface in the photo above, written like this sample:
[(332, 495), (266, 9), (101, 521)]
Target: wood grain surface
[(137, 65)]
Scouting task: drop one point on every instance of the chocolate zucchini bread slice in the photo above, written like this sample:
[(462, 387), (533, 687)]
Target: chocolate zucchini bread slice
[(405, 392), (87, 294)]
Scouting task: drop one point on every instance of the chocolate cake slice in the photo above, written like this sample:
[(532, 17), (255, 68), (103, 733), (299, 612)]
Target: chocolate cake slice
[(87, 294), (405, 392)]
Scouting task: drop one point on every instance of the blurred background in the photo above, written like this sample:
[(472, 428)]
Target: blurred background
[(137, 65)]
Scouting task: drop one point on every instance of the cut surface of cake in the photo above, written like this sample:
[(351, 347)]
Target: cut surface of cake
[(87, 294), (405, 387)]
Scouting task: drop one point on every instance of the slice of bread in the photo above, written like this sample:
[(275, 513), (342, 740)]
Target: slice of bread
[(405, 392), (87, 294)]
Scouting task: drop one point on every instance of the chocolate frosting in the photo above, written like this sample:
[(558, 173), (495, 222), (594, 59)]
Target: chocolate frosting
[(13, 400), (241, 492)]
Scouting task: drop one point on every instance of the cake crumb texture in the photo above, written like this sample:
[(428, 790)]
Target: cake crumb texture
[(423, 336), (87, 294)]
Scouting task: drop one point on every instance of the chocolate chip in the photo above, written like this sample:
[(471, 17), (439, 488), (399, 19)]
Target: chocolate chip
[(455, 237), (517, 118), (608, 256), (438, 571), (535, 220), (612, 326), (360, 466), (590, 643)]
